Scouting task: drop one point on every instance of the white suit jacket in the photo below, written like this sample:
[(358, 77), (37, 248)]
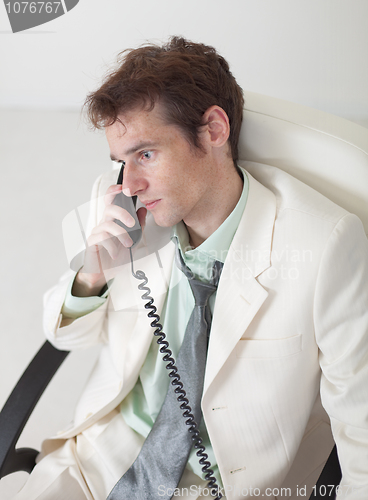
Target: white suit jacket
[(289, 330)]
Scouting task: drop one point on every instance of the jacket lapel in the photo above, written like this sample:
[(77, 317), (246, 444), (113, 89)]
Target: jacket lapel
[(239, 295)]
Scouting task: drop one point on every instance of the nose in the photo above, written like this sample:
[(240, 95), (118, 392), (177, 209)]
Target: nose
[(133, 181)]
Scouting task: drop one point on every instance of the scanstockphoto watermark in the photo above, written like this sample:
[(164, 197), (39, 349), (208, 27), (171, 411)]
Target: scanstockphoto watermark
[(245, 253), (242, 492), (328, 491), (26, 15), (151, 255), (284, 262)]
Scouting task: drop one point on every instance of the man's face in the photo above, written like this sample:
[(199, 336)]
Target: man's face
[(169, 177)]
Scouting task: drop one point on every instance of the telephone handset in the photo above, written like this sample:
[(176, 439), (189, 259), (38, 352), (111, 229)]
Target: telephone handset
[(129, 203)]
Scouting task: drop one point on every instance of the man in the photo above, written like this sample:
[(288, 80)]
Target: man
[(289, 317)]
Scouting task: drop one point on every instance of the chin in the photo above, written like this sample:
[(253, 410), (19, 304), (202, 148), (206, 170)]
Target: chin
[(165, 221)]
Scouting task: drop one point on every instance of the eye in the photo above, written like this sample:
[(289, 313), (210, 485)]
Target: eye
[(146, 155)]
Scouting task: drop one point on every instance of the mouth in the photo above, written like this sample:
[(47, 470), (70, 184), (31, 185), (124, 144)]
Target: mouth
[(151, 204)]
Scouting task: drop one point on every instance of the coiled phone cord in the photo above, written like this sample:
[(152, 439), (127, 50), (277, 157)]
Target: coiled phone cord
[(176, 382)]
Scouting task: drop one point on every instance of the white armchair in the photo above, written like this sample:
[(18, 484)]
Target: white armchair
[(328, 153)]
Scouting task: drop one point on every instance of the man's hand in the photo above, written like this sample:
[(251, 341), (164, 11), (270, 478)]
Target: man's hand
[(106, 245)]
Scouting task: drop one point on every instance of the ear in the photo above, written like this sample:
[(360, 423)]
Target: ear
[(216, 126)]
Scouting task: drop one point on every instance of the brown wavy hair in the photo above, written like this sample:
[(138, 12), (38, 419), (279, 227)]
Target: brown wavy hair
[(186, 77)]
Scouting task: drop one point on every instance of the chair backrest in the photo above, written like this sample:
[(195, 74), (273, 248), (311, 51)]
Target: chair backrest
[(328, 153)]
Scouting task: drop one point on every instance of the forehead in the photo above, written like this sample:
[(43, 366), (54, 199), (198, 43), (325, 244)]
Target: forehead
[(141, 128), (137, 121)]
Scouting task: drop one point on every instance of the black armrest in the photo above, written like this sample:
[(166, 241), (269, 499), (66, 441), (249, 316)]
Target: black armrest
[(330, 476), (19, 406)]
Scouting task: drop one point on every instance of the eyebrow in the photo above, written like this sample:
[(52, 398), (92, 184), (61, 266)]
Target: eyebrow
[(136, 147)]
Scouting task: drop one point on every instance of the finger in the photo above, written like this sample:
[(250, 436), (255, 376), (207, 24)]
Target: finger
[(113, 229), (111, 192), (113, 212), (103, 240), (100, 257)]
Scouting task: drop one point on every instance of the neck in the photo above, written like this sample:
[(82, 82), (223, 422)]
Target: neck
[(221, 201)]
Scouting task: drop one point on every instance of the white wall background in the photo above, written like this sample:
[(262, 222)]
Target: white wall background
[(313, 52), (309, 51)]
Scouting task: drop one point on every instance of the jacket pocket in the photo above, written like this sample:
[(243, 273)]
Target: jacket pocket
[(268, 348)]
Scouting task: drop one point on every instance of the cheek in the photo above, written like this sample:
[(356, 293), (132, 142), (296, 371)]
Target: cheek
[(182, 178), (174, 183)]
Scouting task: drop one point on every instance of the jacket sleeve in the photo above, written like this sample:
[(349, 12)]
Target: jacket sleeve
[(341, 325), (87, 330)]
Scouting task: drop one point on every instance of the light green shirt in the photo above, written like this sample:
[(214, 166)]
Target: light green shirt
[(76, 307), (142, 405)]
